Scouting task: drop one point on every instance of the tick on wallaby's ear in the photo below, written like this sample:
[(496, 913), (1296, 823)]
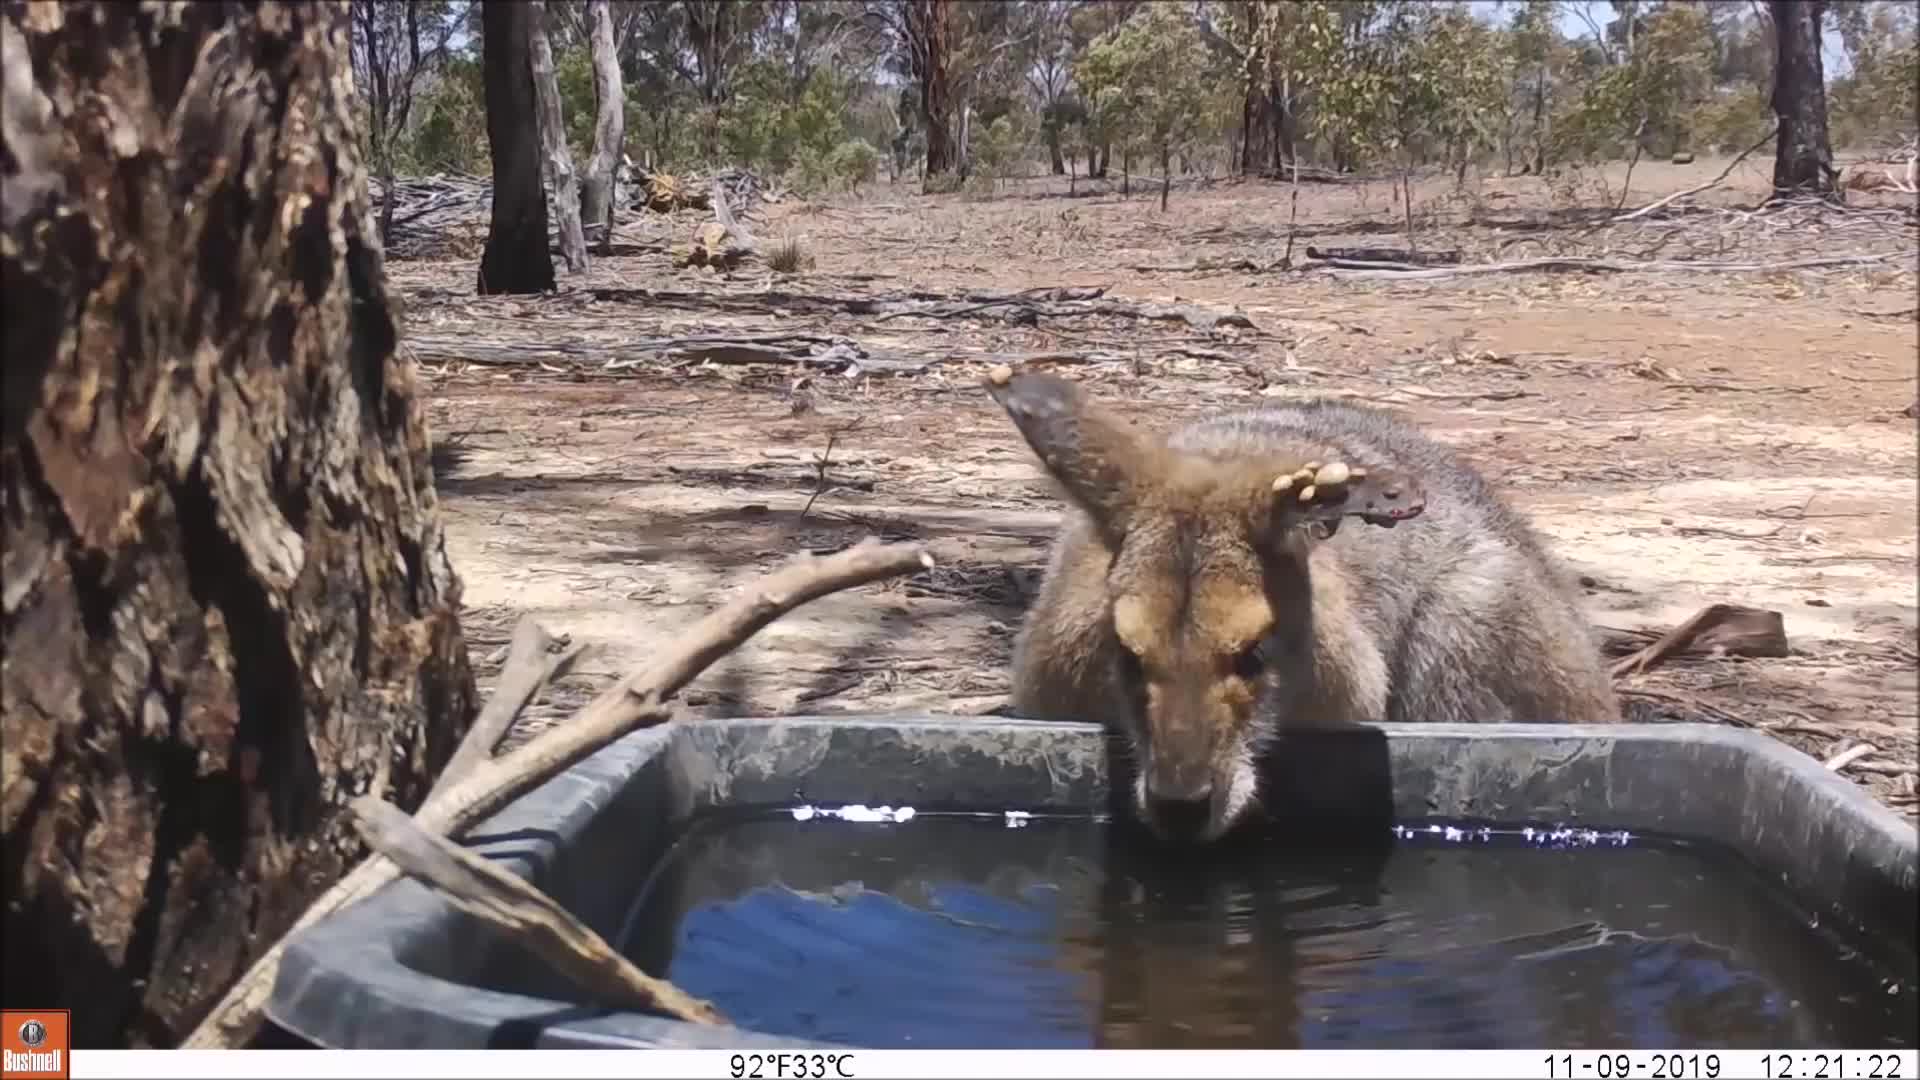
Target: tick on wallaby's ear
[(1321, 496)]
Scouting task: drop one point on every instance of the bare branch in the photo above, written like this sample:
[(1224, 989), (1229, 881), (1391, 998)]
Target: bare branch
[(529, 667), (1715, 182), (637, 701), (527, 916)]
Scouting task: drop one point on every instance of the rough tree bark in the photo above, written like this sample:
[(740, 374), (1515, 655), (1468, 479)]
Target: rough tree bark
[(609, 123), (1267, 119), (926, 31), (553, 139), (228, 608), (1803, 156), (517, 259)]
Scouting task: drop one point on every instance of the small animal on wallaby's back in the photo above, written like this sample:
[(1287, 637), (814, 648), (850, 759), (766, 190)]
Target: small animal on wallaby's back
[(1203, 596)]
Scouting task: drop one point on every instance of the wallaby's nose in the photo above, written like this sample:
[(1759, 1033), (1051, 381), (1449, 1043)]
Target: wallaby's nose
[(1183, 817)]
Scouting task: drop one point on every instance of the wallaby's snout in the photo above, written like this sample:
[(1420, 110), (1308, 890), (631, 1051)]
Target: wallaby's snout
[(1184, 818)]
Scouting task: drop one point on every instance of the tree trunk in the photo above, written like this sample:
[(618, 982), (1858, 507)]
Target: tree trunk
[(517, 259), (1283, 125), (609, 124), (1803, 157), (1166, 176), (379, 108), (1106, 154), (1055, 159), (387, 200), (559, 172), (228, 606), (1256, 143), (1540, 122), (926, 25), (962, 151)]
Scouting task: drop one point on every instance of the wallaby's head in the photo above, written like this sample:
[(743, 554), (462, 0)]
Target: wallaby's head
[(1207, 591)]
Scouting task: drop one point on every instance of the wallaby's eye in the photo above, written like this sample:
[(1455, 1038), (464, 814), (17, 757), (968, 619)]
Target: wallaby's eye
[(1249, 663)]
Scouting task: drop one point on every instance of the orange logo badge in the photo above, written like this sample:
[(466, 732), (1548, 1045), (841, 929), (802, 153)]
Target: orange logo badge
[(34, 1045)]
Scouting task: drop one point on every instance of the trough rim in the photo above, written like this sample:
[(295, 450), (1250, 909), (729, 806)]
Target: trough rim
[(347, 959)]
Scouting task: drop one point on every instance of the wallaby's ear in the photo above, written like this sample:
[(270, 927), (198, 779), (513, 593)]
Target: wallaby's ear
[(1090, 451), (1320, 496)]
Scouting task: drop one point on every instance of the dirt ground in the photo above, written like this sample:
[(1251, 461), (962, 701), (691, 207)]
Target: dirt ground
[(1682, 437)]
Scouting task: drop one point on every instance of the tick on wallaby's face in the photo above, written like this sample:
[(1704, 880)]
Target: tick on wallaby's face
[(1205, 591)]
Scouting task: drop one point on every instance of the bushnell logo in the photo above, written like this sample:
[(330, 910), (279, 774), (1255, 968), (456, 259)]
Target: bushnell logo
[(35, 1044)]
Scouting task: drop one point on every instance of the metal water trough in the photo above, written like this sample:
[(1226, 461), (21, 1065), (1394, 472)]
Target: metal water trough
[(404, 970)]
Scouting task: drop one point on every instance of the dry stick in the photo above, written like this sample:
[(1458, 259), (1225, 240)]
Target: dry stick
[(1715, 182), (528, 668), (1740, 630), (1626, 182), (1293, 213), (826, 457), (1406, 203), (637, 701), (1847, 757), (527, 916), (1885, 768)]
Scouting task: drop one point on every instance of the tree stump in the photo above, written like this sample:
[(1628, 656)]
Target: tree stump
[(228, 607)]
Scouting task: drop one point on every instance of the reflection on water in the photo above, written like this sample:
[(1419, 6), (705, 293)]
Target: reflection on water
[(960, 932)]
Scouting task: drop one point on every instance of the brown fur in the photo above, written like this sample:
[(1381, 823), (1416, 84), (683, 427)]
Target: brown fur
[(1201, 611)]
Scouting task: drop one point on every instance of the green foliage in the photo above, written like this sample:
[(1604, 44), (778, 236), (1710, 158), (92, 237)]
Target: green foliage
[(1148, 83), (795, 90), (1656, 91), (1004, 142), (1731, 119), (450, 132), (573, 75), (1403, 79), (846, 166), (1878, 102)]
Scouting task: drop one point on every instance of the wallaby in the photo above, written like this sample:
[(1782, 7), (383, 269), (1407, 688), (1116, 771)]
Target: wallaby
[(1202, 597)]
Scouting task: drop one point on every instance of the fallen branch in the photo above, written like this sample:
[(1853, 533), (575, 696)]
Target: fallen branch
[(528, 668), (637, 701), (839, 355), (1210, 266), (1717, 628), (1848, 756), (527, 916), (1885, 768), (1384, 257), (1023, 307), (1474, 395), (1668, 200), (1690, 704), (1736, 387), (1407, 272)]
